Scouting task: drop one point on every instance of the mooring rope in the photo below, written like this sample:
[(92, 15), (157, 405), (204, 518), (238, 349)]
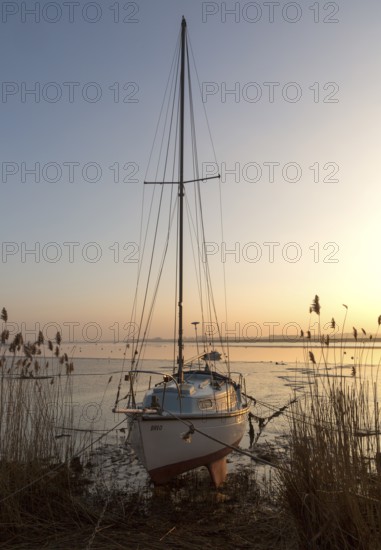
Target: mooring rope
[(192, 430)]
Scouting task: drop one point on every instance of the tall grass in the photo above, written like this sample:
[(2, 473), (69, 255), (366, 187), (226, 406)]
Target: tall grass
[(330, 490), (38, 482), (332, 487)]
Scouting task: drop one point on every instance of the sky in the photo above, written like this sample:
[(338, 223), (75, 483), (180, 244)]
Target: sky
[(291, 91)]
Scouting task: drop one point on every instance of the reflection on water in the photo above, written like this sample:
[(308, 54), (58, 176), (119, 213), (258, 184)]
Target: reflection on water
[(287, 352)]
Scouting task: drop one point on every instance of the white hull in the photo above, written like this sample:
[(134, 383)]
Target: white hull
[(160, 444)]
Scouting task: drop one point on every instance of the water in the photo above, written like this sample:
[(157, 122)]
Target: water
[(274, 374), (98, 369)]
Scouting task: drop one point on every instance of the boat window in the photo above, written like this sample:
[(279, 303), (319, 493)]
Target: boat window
[(206, 404)]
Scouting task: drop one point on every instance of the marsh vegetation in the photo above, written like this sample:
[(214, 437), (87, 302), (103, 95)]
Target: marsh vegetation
[(323, 492)]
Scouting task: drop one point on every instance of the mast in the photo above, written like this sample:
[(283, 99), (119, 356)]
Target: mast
[(181, 204), (181, 186)]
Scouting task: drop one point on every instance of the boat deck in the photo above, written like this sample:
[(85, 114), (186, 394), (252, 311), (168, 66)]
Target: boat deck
[(202, 392)]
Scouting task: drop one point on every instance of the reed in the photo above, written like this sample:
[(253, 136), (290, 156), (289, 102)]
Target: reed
[(332, 485), (328, 491), (189, 514), (39, 482)]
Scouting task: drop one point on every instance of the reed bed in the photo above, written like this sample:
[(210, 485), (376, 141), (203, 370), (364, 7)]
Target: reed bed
[(326, 494), (332, 485), (40, 474), (49, 499)]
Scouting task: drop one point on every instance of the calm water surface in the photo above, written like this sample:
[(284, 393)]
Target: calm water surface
[(274, 375)]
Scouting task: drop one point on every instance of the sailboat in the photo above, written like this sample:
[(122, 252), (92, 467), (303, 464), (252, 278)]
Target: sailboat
[(196, 415)]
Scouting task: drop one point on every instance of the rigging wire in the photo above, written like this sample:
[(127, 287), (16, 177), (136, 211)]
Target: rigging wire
[(221, 218), (203, 104), (169, 125), (142, 244), (212, 311), (171, 78), (170, 86)]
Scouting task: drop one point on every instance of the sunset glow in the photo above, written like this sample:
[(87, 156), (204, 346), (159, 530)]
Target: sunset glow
[(292, 98)]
